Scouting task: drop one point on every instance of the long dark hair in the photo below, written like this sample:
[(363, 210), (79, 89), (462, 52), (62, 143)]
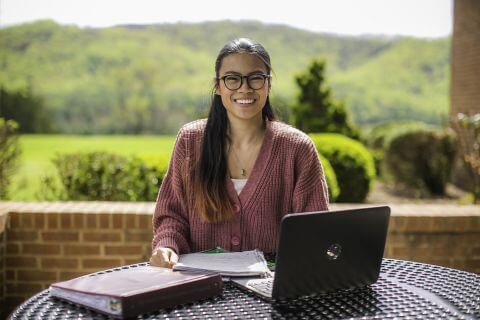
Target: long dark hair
[(210, 190)]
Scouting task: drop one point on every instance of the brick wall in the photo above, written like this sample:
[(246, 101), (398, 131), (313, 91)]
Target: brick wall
[(465, 61), (50, 242)]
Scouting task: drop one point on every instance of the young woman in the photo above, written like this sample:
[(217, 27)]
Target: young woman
[(233, 176)]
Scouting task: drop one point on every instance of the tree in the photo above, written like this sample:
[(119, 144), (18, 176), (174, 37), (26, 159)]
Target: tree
[(9, 153), (316, 110), (26, 109)]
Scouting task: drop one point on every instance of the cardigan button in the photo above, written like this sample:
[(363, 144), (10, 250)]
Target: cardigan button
[(235, 241), (236, 207)]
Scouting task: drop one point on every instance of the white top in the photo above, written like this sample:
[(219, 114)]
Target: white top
[(239, 184)]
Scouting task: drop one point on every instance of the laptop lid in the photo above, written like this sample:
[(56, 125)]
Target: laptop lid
[(329, 250)]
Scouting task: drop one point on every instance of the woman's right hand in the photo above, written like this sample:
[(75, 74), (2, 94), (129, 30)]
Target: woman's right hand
[(163, 257)]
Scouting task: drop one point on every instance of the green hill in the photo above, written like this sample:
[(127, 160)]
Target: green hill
[(152, 78)]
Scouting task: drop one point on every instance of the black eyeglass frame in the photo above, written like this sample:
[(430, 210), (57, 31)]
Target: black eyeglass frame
[(264, 75)]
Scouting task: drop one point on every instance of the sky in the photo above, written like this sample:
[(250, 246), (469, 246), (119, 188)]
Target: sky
[(418, 18)]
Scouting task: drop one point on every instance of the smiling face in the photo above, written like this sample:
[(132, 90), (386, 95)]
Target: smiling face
[(244, 103)]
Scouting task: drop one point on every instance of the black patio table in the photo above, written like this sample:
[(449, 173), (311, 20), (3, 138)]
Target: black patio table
[(405, 290)]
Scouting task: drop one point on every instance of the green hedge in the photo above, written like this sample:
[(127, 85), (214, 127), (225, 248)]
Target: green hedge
[(353, 165), (422, 159), (332, 183), (105, 176), (9, 154)]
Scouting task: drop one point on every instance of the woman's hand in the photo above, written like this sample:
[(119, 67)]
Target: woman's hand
[(163, 257)]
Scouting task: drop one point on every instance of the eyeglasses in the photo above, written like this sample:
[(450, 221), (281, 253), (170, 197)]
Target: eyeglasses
[(234, 82)]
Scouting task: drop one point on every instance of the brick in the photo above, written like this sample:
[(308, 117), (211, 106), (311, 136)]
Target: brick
[(419, 223), (11, 302), (101, 236), (23, 288), (458, 264), (388, 253), (474, 224), (60, 236), (144, 221), (81, 249), (104, 220), (401, 253), (67, 275), (21, 262), (13, 248), (40, 249), (78, 221), (473, 264), (66, 221), (39, 221), (445, 252), (22, 235), (134, 261), (138, 236), (36, 275), (420, 253), (59, 263), (476, 251), (14, 221), (118, 221), (26, 220), (123, 250), (436, 262), (11, 275), (397, 239), (52, 221), (448, 224), (101, 263), (91, 221), (398, 223), (130, 221)]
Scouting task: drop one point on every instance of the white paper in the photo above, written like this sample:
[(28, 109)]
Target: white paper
[(246, 263)]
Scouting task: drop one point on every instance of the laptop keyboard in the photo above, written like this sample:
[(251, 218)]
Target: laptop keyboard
[(262, 285)]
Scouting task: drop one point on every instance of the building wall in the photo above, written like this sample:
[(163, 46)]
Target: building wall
[(465, 60), (46, 244)]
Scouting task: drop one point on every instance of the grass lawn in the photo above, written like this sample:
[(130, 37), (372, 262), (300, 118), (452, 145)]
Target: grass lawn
[(39, 150)]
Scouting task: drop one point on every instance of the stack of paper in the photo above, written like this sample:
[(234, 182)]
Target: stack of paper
[(231, 264)]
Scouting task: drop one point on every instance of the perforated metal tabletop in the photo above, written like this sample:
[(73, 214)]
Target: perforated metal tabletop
[(405, 290)]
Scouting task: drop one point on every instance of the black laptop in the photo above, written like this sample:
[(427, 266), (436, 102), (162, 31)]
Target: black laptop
[(325, 251)]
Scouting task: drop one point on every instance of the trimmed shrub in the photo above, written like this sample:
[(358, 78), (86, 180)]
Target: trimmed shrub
[(105, 176), (352, 163), (333, 189), (379, 136), (9, 153), (422, 159)]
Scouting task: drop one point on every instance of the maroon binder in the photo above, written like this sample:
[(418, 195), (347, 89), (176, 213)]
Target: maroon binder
[(135, 290)]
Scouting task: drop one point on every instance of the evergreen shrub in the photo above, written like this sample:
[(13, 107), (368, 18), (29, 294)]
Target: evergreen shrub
[(332, 183), (353, 165), (422, 159), (107, 177)]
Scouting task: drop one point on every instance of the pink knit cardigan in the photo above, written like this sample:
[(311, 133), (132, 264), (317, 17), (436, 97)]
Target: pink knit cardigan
[(287, 178)]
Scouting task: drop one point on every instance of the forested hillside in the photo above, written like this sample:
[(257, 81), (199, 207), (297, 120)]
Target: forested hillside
[(152, 78)]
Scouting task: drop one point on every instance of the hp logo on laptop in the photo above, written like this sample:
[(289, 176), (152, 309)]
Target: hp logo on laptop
[(334, 251)]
